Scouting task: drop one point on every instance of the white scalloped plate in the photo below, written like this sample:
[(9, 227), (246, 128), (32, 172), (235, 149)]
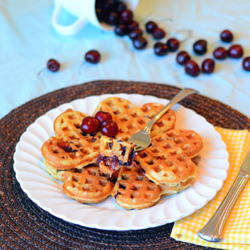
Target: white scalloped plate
[(47, 193)]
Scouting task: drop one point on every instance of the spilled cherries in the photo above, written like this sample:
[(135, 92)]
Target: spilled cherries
[(92, 56), (53, 65)]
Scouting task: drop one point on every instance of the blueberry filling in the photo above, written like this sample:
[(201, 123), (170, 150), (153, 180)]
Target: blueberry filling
[(123, 149)]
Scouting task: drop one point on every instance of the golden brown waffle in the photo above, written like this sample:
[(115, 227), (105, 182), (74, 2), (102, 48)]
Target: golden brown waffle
[(131, 119), (70, 148), (60, 175), (88, 186), (168, 189), (166, 164), (114, 154), (188, 140), (63, 154), (133, 190), (163, 168)]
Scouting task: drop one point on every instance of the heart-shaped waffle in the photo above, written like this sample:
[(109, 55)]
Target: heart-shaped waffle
[(133, 190), (132, 119), (70, 148), (168, 161), (88, 185), (188, 140), (166, 164)]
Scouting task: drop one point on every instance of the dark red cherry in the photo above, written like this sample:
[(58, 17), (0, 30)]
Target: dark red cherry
[(182, 57), (135, 33), (158, 33), (226, 36), (140, 42), (119, 6), (121, 29), (235, 51), (200, 47), (92, 56), (220, 53), (133, 26), (160, 49), (53, 65), (103, 116), (173, 44), (246, 63), (150, 26), (126, 16), (113, 18), (109, 128), (90, 125), (192, 68), (208, 66)]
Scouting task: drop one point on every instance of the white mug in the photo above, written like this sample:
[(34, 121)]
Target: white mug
[(85, 11)]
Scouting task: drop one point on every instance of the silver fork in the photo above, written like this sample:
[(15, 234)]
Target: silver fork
[(142, 139)]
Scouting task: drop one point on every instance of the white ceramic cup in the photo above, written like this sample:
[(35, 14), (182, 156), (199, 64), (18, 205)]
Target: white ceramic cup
[(84, 11)]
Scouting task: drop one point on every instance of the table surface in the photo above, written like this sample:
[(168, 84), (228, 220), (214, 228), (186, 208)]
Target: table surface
[(28, 40)]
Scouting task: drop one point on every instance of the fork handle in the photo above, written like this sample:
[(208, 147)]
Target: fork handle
[(181, 95), (212, 231)]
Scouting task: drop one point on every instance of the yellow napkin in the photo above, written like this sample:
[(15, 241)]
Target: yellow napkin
[(236, 233)]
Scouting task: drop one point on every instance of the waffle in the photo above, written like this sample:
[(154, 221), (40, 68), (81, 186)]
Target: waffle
[(60, 175), (166, 164), (69, 148), (132, 119), (114, 154), (133, 190), (188, 140), (164, 168), (87, 185), (168, 189)]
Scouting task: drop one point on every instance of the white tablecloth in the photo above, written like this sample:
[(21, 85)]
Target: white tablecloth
[(28, 40)]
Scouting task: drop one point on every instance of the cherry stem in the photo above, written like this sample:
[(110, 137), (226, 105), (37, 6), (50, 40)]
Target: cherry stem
[(39, 73), (81, 65)]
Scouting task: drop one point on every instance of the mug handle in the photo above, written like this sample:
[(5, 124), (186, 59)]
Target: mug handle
[(69, 29)]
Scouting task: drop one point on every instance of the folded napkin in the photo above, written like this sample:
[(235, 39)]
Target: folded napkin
[(236, 233)]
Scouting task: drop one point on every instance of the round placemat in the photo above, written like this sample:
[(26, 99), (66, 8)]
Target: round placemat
[(26, 226)]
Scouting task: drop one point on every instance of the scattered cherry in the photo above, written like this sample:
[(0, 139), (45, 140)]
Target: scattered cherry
[(220, 53), (182, 57), (235, 51), (140, 42), (53, 65), (113, 18), (200, 47), (119, 6), (92, 56), (160, 49), (208, 66), (226, 36), (192, 68), (158, 33), (121, 29), (173, 44), (90, 125), (103, 116), (134, 25), (246, 63), (150, 26), (135, 33), (126, 16), (109, 128)]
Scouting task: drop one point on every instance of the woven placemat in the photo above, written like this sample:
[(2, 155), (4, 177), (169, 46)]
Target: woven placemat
[(23, 225)]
